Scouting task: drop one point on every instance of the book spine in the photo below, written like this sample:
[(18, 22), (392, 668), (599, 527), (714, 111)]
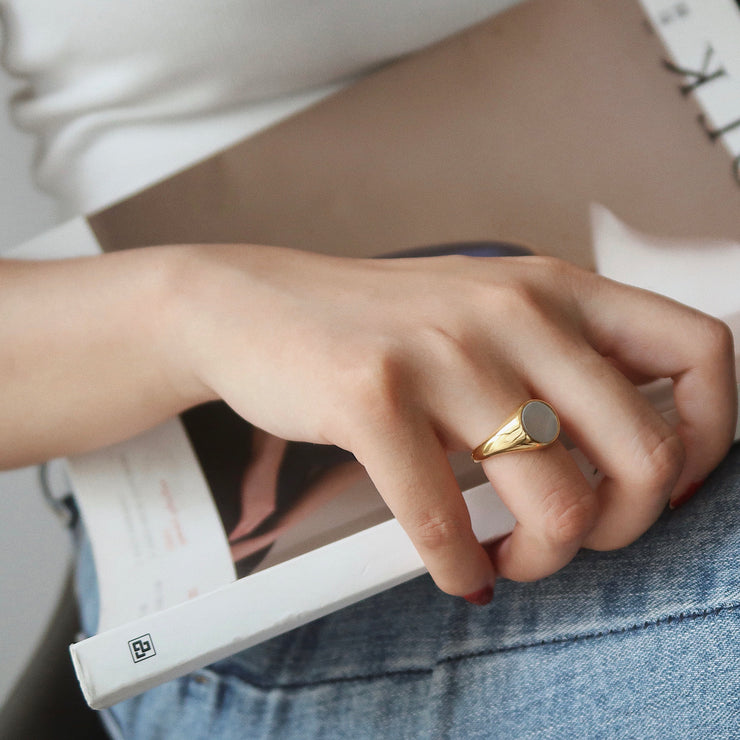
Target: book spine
[(124, 661)]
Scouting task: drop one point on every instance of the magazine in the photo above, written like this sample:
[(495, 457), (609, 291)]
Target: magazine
[(318, 538), (514, 128)]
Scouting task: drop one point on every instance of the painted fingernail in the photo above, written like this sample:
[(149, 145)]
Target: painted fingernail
[(480, 598), (686, 495)]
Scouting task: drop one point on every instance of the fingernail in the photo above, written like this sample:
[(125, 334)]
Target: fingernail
[(686, 495), (480, 598)]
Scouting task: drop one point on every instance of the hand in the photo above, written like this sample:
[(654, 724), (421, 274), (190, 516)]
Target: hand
[(401, 361)]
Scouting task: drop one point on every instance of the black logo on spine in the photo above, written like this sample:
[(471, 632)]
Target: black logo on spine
[(141, 648)]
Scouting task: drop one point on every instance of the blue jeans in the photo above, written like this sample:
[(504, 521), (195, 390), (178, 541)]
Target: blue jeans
[(639, 643)]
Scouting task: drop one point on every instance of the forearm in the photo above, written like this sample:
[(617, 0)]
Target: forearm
[(87, 352)]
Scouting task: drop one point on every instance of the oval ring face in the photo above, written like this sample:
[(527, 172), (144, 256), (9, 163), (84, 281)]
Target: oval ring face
[(540, 422)]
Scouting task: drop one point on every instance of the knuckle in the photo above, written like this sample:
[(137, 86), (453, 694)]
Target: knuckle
[(662, 460), (555, 271), (450, 347), (368, 388), (438, 530), (515, 301), (719, 341), (375, 382), (547, 263), (569, 515), (533, 296)]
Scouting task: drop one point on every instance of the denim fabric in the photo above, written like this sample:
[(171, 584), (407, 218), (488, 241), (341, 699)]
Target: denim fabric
[(640, 643)]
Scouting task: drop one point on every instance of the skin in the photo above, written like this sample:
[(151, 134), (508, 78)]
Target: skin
[(398, 361)]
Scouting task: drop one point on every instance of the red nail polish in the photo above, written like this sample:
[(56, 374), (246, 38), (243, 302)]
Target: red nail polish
[(686, 495), (480, 598)]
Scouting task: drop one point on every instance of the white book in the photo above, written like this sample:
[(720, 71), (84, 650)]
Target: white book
[(138, 655)]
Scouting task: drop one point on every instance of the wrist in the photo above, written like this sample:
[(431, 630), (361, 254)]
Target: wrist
[(181, 275)]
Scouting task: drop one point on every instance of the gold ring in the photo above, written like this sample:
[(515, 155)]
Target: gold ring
[(535, 424)]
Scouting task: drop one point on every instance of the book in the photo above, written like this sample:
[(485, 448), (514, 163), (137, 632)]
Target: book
[(514, 128), (287, 575)]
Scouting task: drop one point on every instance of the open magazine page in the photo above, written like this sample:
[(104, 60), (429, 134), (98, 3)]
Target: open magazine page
[(156, 536), (279, 499)]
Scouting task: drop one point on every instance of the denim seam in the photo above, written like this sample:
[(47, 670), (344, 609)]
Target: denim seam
[(659, 621), (682, 617)]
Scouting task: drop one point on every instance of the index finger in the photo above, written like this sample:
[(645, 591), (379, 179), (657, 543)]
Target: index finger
[(409, 466)]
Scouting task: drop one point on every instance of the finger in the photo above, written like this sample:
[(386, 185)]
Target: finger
[(410, 469), (554, 507), (677, 342), (639, 454), (617, 429), (553, 504)]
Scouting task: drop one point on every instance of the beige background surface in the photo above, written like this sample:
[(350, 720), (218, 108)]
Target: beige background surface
[(507, 131)]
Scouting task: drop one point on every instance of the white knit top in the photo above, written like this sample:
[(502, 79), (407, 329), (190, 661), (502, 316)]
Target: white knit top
[(121, 93)]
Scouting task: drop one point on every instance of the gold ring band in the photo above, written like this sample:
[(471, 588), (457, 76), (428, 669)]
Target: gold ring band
[(535, 424)]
